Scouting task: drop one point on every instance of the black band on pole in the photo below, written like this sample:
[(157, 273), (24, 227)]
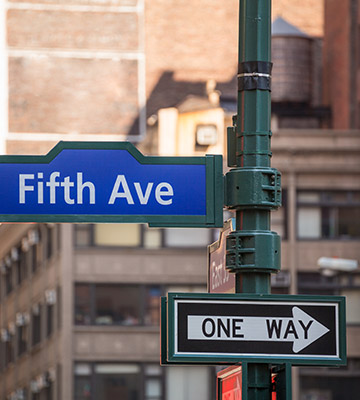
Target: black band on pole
[(254, 75)]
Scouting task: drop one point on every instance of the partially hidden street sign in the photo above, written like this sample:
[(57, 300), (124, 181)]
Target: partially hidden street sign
[(232, 328), (111, 182), (219, 279), (229, 384)]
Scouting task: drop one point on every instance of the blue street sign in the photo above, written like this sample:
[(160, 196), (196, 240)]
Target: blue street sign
[(110, 182)]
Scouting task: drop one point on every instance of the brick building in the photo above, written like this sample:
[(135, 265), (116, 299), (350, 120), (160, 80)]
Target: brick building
[(97, 69), (341, 57)]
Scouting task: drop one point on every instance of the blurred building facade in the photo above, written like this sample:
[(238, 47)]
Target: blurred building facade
[(98, 69), (79, 312), (341, 57)]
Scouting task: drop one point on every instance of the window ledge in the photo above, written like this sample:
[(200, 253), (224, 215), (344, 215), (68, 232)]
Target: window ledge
[(115, 328)]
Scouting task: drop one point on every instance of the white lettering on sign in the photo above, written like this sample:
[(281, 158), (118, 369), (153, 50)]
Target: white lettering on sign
[(23, 188), (56, 187), (301, 329), (160, 193), (34, 189), (220, 327), (125, 194), (219, 274), (121, 190)]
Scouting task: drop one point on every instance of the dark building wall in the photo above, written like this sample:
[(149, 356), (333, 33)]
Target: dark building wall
[(341, 62)]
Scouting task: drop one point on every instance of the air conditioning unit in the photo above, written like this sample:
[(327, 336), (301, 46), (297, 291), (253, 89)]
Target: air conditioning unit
[(331, 265), (206, 135), (50, 297)]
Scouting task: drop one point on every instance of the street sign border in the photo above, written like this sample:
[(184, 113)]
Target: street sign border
[(214, 179), (164, 340), (231, 359)]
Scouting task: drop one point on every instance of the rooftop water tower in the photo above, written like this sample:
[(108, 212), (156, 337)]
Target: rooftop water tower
[(292, 60)]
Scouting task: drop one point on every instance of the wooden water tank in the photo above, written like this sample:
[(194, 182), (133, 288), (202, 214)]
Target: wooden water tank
[(291, 57)]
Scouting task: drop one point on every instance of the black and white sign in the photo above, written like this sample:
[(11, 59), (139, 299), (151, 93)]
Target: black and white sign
[(272, 327)]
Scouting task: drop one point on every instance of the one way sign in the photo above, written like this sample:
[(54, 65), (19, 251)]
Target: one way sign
[(234, 328)]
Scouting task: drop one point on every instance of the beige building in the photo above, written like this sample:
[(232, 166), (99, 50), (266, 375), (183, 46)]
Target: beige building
[(80, 310)]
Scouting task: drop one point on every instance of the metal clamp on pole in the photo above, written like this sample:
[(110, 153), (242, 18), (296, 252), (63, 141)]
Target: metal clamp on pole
[(255, 188), (253, 251), (254, 75)]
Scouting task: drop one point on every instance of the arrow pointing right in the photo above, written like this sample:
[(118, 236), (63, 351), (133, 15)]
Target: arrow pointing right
[(316, 329), (301, 328)]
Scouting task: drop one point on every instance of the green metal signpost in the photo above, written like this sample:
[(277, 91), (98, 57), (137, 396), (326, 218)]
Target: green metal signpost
[(244, 327), (253, 251)]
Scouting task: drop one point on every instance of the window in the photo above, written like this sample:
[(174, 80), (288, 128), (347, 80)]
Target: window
[(136, 235), (280, 282), (309, 223), (36, 324), (83, 235), (47, 392), (194, 380), (19, 394), (126, 235), (152, 237), (22, 321), (187, 237), (2, 351), (9, 347), (58, 308), (50, 297), (35, 396), (49, 241), (112, 304), (352, 305), (35, 248), (153, 382), (22, 333), (116, 305), (321, 384), (21, 263), (117, 381), (8, 275), (152, 304), (8, 281), (108, 381), (42, 387), (315, 283), (83, 305), (328, 215), (114, 235), (49, 319), (83, 384)]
